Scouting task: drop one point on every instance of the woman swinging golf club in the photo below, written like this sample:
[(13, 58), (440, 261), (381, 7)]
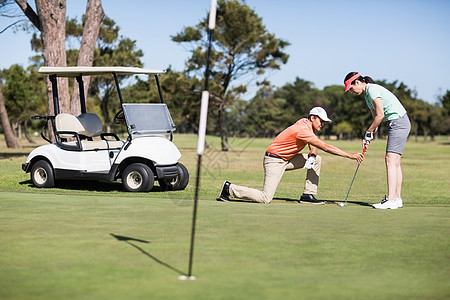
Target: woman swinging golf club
[(384, 106)]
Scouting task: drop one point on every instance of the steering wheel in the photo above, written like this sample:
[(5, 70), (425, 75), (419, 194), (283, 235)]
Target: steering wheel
[(119, 117)]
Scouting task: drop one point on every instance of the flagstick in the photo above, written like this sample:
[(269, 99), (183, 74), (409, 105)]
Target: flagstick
[(201, 137)]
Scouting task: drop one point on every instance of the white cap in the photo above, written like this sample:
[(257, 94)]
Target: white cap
[(320, 112)]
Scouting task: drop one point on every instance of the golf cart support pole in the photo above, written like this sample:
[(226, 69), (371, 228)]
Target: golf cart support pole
[(116, 80), (201, 135), (55, 94), (159, 89), (82, 96)]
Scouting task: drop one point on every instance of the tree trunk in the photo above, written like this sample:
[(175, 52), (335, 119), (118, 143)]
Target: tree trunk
[(104, 107), (416, 133), (52, 16), (19, 130), (27, 134), (94, 16), (10, 139), (223, 128)]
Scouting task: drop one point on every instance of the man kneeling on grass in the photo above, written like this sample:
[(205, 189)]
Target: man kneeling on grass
[(283, 155)]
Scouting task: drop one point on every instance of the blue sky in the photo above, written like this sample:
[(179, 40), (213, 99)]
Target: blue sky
[(400, 40)]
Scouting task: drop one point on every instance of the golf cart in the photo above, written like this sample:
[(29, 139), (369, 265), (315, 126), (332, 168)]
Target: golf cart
[(83, 151)]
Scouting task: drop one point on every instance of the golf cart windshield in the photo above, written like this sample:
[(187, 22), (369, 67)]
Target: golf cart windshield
[(148, 119)]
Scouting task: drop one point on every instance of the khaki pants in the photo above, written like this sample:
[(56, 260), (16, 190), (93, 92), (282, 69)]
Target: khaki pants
[(274, 169)]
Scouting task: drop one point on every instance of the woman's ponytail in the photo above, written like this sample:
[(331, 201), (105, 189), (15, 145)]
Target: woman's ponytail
[(367, 79)]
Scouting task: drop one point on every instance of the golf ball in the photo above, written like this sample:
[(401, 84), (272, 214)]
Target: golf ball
[(341, 204)]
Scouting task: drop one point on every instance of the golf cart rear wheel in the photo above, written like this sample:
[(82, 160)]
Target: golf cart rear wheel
[(178, 183), (42, 175), (138, 177)]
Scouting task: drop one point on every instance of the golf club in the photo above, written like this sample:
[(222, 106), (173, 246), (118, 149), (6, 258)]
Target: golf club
[(345, 204)]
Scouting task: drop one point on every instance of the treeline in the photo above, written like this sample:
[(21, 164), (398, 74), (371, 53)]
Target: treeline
[(265, 115), (273, 109)]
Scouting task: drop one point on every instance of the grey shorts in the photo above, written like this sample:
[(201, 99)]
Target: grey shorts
[(398, 134)]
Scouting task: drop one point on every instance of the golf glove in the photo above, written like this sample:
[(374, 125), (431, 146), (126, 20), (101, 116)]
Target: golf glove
[(310, 162), (368, 137)]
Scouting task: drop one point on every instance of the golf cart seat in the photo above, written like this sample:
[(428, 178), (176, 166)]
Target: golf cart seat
[(91, 123), (83, 128)]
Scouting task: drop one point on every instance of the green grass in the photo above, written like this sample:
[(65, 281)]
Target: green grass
[(57, 243)]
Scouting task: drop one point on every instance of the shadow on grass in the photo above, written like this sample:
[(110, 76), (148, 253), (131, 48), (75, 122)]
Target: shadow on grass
[(296, 200), (236, 200), (328, 201), (129, 241), (349, 202), (89, 185), (12, 155)]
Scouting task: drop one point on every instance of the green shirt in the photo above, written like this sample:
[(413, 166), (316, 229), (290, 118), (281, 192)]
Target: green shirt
[(392, 107)]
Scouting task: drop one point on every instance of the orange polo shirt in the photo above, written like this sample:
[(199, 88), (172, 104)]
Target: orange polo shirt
[(292, 140)]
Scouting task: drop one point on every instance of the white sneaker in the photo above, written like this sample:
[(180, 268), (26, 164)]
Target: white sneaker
[(399, 202), (386, 204)]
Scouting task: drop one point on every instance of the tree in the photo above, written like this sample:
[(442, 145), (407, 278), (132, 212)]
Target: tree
[(182, 95), (416, 109), (299, 99), (349, 113), (10, 139), (263, 116), (242, 48), (91, 28), (445, 113), (121, 53), (24, 95), (445, 102), (342, 128), (50, 20)]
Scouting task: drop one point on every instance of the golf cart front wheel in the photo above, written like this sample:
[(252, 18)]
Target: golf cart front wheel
[(42, 175), (138, 177), (179, 182)]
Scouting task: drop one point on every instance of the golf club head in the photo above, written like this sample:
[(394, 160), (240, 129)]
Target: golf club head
[(186, 277)]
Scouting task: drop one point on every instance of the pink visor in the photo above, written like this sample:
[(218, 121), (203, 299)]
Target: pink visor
[(349, 81)]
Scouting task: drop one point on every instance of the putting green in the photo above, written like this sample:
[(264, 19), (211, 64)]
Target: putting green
[(90, 240), (76, 247)]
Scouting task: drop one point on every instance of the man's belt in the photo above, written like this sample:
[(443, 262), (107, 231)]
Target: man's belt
[(273, 155)]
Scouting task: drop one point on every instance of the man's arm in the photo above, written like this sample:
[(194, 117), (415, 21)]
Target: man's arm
[(335, 150), (312, 150)]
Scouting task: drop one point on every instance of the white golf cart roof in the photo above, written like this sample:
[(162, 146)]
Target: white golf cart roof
[(77, 71)]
